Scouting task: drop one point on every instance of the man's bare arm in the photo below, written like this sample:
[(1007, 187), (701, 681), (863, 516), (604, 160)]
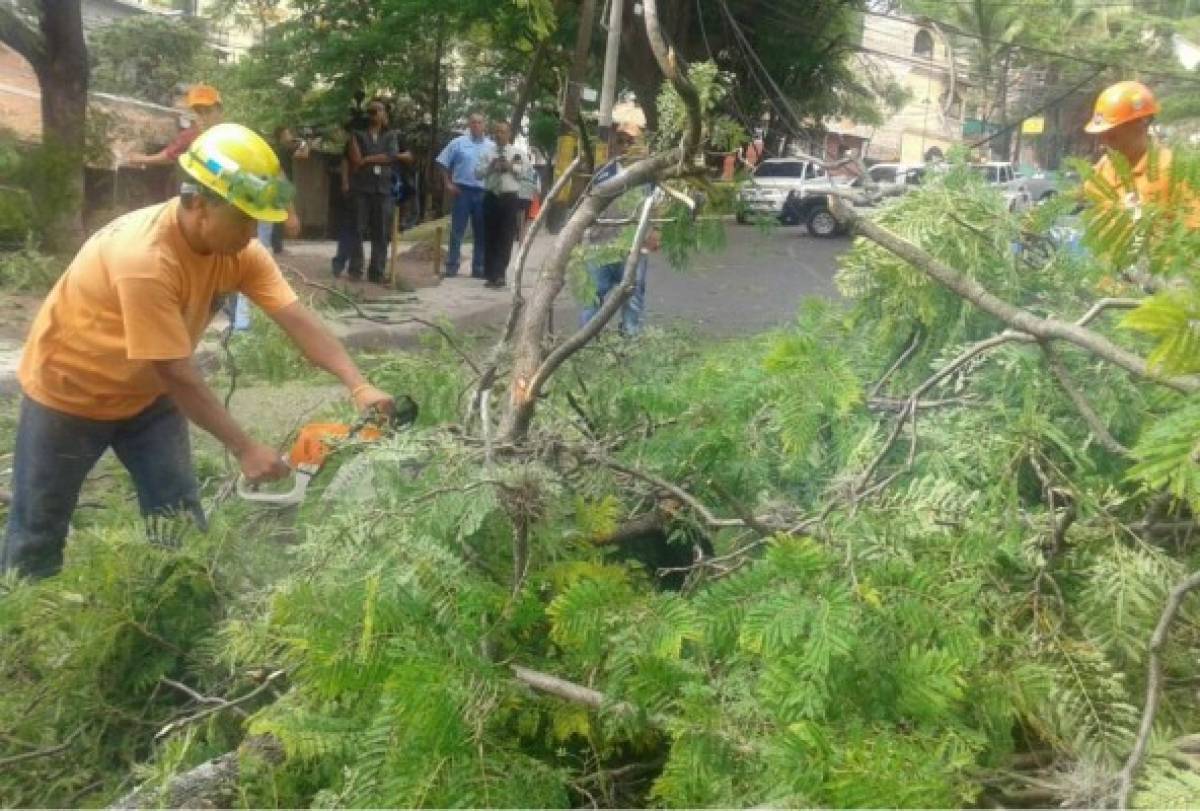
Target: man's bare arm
[(196, 400), (326, 352)]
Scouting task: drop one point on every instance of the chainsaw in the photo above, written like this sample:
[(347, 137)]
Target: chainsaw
[(317, 441)]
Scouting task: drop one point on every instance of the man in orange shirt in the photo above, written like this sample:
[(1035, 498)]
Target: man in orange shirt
[(108, 362), (1122, 119)]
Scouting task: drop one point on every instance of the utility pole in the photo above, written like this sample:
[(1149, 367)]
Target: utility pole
[(608, 90)]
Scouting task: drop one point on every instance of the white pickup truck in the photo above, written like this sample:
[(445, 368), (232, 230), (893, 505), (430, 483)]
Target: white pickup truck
[(802, 178), (1014, 188)]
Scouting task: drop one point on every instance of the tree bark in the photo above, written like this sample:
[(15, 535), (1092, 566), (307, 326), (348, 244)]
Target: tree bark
[(58, 54), (63, 78), (529, 349), (431, 175)]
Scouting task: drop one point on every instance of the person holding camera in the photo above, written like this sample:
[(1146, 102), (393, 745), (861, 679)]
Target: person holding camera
[(501, 168), (373, 153)]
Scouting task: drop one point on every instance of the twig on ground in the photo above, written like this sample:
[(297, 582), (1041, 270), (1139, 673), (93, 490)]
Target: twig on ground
[(762, 525), (203, 699), (900, 361), (1059, 370), (226, 705), (1153, 685), (37, 754), (390, 322)]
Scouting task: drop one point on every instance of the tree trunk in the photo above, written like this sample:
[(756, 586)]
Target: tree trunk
[(529, 86), (431, 175), (63, 78), (1005, 141), (570, 108)]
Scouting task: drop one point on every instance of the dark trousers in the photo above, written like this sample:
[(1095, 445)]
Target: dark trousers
[(370, 221), (55, 451), (346, 235), (499, 228)]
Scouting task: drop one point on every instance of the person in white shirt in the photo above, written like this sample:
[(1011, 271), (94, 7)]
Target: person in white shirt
[(501, 168)]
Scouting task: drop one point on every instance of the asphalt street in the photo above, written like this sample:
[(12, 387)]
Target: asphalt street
[(756, 282)]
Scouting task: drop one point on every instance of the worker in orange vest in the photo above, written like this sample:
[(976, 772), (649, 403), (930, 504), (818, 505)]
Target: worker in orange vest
[(1122, 119)]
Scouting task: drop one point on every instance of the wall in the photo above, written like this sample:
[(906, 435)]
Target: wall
[(924, 121)]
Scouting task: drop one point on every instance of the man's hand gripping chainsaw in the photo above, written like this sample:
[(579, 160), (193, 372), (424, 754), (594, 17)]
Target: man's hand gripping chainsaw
[(318, 440)]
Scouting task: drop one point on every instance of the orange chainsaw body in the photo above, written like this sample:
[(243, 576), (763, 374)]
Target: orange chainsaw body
[(317, 440)]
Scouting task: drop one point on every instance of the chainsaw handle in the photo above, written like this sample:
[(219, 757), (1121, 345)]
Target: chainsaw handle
[(301, 478)]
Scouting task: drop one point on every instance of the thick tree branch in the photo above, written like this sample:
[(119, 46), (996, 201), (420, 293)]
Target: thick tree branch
[(20, 34), (516, 273), (612, 303), (669, 65), (212, 784), (1153, 685), (1044, 329)]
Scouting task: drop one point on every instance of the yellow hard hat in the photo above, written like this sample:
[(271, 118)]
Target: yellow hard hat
[(202, 95), (240, 167), (1121, 103)]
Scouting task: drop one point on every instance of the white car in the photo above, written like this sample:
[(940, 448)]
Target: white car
[(896, 176), (1001, 174), (775, 178)]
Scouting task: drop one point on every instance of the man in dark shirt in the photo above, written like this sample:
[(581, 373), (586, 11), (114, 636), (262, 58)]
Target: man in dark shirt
[(373, 153)]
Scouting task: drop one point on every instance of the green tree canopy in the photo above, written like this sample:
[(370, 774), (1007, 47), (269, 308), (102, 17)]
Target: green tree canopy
[(150, 57)]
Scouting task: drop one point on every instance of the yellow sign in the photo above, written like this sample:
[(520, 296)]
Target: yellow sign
[(562, 159), (1033, 126)]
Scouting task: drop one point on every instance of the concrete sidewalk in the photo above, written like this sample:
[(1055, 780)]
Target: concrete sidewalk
[(461, 301)]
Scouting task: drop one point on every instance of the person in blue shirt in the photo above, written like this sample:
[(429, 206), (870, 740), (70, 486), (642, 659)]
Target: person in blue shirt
[(458, 161)]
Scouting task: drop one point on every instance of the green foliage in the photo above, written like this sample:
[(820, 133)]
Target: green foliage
[(900, 654), (713, 85), (150, 57), (27, 270)]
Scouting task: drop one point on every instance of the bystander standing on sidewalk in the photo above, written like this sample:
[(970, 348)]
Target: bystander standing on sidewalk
[(373, 152), (458, 161), (501, 169)]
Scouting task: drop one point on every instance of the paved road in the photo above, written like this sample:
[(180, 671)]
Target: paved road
[(756, 282)]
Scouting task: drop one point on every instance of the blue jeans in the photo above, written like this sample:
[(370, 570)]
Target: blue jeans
[(468, 205), (54, 452), (607, 278)]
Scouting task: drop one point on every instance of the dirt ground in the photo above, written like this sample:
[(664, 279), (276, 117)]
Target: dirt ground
[(16, 314)]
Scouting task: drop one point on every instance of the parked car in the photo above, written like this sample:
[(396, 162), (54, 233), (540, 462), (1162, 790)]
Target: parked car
[(1002, 175), (1039, 185), (896, 176), (774, 179)]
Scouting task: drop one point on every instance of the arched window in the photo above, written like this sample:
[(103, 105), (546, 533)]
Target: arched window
[(923, 44)]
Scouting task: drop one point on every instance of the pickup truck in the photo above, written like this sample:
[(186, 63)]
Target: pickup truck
[(1002, 175), (775, 179)]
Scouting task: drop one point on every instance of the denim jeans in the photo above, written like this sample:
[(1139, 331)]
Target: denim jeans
[(54, 452), (607, 278), (468, 205)]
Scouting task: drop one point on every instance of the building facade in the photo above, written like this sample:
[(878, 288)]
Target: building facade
[(918, 57)]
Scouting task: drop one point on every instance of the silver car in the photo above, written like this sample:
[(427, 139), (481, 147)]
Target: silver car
[(774, 179)]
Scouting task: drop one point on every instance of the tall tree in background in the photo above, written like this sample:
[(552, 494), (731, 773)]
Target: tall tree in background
[(49, 35), (149, 56)]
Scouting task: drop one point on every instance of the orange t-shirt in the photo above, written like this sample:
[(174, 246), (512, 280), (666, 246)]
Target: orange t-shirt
[(135, 293), (1152, 190)]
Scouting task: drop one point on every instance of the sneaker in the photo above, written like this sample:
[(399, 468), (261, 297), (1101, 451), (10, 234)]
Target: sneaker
[(336, 268)]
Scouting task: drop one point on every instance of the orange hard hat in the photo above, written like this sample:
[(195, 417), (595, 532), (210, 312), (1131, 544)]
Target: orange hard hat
[(202, 95), (1120, 104)]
